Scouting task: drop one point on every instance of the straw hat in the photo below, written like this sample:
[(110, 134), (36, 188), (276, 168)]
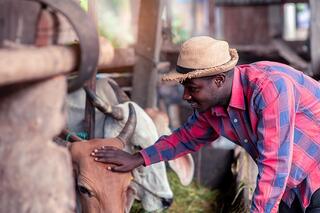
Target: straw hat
[(203, 56)]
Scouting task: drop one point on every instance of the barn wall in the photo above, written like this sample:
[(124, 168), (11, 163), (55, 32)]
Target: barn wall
[(35, 174)]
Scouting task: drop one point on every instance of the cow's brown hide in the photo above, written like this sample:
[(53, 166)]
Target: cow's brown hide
[(98, 187)]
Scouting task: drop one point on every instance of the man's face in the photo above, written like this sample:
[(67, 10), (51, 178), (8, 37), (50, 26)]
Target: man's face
[(202, 93)]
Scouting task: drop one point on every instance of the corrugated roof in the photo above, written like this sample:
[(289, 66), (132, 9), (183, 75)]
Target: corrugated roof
[(247, 2)]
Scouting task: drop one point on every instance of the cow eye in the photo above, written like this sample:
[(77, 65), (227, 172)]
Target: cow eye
[(84, 190)]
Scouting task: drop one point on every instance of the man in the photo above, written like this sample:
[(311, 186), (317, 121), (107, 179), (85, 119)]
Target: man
[(268, 108)]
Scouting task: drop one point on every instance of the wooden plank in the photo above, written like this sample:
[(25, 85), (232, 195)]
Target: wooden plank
[(135, 7), (147, 53), (315, 38), (18, 21), (294, 1), (46, 34), (117, 69), (33, 63), (240, 19), (290, 55), (123, 57), (90, 113), (275, 20), (212, 8), (257, 2), (259, 50), (36, 175)]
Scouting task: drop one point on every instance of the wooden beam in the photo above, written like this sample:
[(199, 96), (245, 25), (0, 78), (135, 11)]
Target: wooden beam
[(240, 19), (258, 49), (290, 55), (30, 115), (294, 1), (147, 53), (27, 63), (212, 8), (89, 116), (123, 57), (315, 37), (18, 20)]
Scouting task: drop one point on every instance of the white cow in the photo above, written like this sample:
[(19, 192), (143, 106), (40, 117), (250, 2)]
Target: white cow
[(150, 183)]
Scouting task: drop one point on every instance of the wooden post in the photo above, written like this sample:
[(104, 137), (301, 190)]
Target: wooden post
[(16, 22), (91, 83), (35, 63), (147, 53), (315, 37), (36, 175), (237, 19), (212, 7)]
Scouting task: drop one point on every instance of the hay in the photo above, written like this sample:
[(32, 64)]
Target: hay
[(189, 199)]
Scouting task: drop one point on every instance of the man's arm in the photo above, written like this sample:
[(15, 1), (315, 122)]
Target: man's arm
[(195, 133), (275, 107)]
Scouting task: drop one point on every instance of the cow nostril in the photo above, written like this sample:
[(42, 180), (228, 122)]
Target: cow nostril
[(166, 202)]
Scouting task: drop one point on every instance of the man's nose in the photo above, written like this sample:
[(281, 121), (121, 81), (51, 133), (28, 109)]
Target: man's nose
[(186, 96)]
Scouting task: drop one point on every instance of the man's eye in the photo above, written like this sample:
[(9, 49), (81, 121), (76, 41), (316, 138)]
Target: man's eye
[(83, 190), (194, 89)]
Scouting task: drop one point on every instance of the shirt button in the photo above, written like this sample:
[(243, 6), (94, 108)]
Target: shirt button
[(235, 120), (245, 140)]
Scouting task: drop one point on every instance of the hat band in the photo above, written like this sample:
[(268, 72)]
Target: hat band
[(183, 70)]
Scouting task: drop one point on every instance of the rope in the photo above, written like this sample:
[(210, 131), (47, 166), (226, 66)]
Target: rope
[(82, 135)]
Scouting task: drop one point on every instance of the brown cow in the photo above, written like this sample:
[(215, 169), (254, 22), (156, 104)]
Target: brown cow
[(97, 187)]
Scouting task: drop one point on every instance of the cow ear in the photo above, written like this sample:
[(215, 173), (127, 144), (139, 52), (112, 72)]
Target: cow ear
[(184, 168)]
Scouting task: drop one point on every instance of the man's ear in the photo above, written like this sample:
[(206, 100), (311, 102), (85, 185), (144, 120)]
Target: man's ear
[(219, 79)]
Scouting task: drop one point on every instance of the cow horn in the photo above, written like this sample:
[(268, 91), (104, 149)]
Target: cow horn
[(120, 94), (104, 107), (127, 131)]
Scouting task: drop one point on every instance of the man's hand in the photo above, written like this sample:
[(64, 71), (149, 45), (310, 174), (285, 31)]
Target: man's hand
[(124, 161)]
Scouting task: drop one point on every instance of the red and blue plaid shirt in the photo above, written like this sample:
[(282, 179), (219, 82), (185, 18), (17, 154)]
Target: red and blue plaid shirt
[(274, 113)]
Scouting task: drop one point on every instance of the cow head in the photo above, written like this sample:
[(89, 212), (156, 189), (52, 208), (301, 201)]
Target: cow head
[(99, 189), (150, 183)]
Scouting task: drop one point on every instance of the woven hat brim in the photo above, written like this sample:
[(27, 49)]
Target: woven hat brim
[(180, 77)]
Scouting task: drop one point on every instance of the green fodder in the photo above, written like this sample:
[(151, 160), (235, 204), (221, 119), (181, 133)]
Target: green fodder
[(187, 199)]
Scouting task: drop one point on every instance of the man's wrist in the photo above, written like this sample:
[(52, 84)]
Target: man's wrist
[(139, 158)]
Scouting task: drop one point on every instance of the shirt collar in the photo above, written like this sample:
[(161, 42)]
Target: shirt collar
[(237, 97)]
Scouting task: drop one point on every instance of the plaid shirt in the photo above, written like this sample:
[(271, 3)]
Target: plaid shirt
[(274, 113)]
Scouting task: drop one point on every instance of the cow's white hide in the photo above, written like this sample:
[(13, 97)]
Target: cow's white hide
[(76, 103)]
